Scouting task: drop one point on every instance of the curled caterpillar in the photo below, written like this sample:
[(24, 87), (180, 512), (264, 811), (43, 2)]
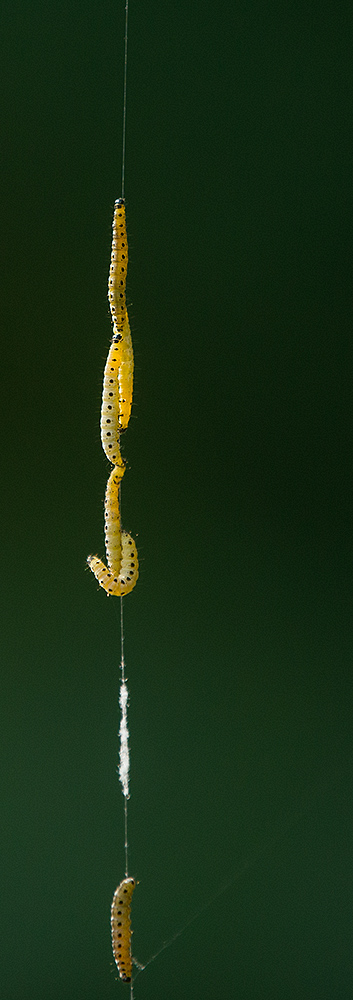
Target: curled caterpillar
[(121, 928), (118, 584)]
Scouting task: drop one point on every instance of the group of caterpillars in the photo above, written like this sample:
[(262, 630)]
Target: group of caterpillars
[(120, 574)]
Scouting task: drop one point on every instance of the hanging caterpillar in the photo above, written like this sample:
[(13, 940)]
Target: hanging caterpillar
[(119, 369), (121, 928), (118, 266)]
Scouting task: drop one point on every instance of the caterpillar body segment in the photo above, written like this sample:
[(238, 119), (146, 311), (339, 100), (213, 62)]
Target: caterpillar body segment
[(117, 390), (112, 526), (126, 372), (110, 427), (129, 571), (118, 266), (117, 585), (121, 928), (105, 578)]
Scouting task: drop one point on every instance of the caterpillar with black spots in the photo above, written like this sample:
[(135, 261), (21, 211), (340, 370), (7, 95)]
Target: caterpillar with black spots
[(119, 369), (118, 585), (121, 928), (121, 574), (118, 266)]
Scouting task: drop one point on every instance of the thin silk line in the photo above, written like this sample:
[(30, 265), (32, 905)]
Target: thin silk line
[(124, 103), (122, 669)]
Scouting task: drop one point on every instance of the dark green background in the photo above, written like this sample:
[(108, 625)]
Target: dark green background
[(238, 635)]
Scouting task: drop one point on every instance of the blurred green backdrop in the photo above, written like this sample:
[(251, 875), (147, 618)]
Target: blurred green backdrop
[(238, 635)]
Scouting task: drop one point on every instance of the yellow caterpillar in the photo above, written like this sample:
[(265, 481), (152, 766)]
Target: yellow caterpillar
[(121, 928), (118, 584), (119, 369), (118, 266)]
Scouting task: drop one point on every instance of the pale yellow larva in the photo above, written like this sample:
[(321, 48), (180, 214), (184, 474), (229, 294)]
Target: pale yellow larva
[(112, 526), (117, 585), (121, 928)]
